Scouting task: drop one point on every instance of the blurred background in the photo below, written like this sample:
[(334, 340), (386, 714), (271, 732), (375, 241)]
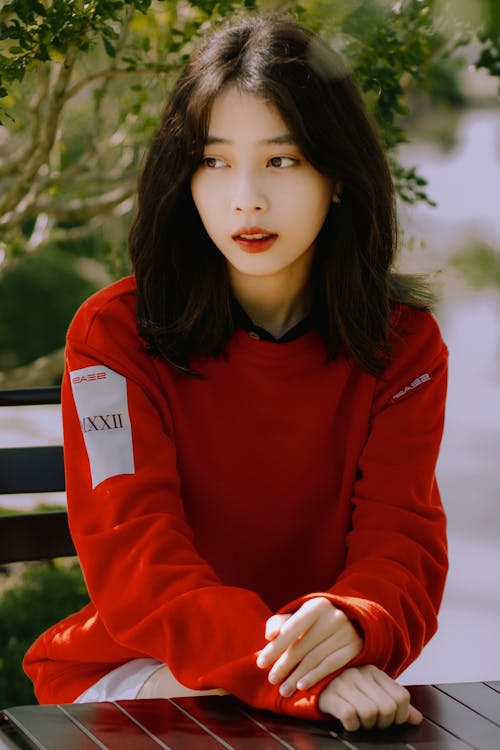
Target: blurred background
[(81, 89)]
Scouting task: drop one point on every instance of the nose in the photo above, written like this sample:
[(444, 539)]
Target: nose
[(248, 195)]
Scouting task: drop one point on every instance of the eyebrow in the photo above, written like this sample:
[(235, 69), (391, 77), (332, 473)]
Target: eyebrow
[(285, 138)]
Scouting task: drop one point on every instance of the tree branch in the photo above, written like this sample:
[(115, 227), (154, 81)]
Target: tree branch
[(74, 234), (83, 209), (12, 166), (115, 73), (46, 142)]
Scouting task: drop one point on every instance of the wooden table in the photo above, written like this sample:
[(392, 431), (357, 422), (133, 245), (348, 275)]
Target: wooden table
[(457, 717)]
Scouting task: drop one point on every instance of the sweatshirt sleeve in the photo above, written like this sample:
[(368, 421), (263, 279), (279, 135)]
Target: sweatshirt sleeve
[(396, 565), (154, 593)]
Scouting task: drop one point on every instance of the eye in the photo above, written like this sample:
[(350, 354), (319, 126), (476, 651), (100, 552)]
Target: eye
[(283, 162), (212, 162)]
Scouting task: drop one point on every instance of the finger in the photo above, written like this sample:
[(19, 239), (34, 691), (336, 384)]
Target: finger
[(274, 624), (392, 699), (328, 657), (272, 630), (399, 694), (332, 628), (322, 654), (343, 710), (290, 631), (305, 654), (414, 716), (365, 710), (350, 687), (306, 677), (317, 664)]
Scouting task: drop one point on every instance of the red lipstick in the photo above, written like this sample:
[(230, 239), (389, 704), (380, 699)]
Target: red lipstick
[(254, 239)]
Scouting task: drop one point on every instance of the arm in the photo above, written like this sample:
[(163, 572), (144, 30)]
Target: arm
[(396, 563), (153, 592)]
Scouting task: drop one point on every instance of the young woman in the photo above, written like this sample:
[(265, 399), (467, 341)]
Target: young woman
[(252, 420)]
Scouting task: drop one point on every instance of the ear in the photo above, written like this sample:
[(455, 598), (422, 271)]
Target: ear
[(337, 193)]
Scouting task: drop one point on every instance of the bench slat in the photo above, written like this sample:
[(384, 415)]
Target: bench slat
[(34, 469), (31, 396), (35, 536)]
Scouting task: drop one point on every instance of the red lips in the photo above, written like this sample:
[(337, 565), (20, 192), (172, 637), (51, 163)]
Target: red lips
[(254, 239)]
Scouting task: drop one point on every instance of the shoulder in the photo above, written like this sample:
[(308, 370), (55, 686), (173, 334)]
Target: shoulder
[(415, 332), (107, 312), (419, 357), (104, 332)]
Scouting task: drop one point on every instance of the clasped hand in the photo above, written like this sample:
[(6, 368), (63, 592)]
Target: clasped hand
[(315, 641), (319, 640)]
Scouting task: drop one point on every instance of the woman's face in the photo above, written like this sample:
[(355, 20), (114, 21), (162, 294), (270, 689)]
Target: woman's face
[(260, 201)]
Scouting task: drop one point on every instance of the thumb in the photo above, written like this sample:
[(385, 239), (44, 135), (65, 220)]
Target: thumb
[(414, 716), (273, 626)]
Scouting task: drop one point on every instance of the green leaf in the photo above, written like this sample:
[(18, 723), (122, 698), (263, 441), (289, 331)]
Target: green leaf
[(110, 50)]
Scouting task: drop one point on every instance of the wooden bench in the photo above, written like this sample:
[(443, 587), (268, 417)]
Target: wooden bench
[(39, 469)]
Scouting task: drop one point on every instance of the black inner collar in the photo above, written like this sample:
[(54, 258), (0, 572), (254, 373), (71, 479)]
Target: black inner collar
[(242, 320)]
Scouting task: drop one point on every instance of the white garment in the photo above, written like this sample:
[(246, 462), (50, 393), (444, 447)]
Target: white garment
[(127, 681), (123, 683)]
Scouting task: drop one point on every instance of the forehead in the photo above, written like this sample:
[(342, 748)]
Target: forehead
[(239, 116)]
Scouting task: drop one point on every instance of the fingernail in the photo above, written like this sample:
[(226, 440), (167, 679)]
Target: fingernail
[(261, 661), (286, 690), (302, 685), (273, 678)]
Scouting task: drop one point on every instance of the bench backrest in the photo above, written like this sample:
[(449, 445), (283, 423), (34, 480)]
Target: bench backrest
[(33, 536)]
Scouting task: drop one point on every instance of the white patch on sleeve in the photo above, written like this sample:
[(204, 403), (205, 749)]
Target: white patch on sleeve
[(101, 402)]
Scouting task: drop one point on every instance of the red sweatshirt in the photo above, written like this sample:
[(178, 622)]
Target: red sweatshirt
[(199, 507)]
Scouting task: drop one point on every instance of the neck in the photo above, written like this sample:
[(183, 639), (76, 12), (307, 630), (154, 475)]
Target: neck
[(273, 304)]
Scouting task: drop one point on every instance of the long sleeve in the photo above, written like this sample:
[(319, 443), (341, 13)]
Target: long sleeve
[(396, 563), (200, 506), (155, 595)]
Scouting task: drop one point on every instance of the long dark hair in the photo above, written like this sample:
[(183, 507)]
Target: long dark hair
[(184, 296)]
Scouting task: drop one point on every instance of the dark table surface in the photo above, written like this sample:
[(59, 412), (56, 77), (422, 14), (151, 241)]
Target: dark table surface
[(457, 717)]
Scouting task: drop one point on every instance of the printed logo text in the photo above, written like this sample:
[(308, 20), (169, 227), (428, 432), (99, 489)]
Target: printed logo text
[(102, 422), (86, 378), (414, 384)]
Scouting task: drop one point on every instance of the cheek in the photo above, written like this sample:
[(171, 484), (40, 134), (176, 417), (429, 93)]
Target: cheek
[(308, 193), (310, 208), (323, 192)]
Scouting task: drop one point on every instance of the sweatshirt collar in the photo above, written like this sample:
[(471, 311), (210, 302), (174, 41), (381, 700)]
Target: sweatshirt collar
[(242, 320)]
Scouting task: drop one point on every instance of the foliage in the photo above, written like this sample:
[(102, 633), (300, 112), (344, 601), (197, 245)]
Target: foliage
[(54, 283), (489, 37), (82, 85), (45, 593), (480, 264), (42, 31), (39, 508)]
